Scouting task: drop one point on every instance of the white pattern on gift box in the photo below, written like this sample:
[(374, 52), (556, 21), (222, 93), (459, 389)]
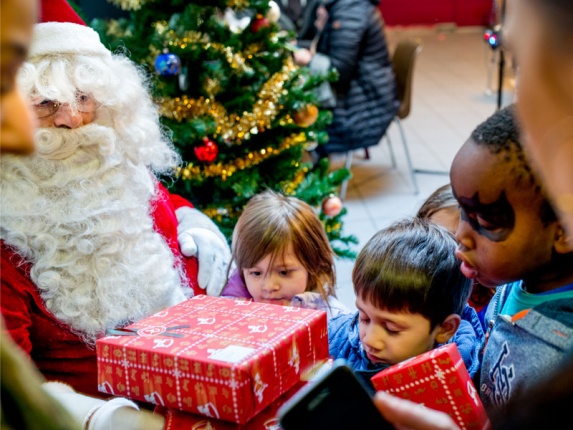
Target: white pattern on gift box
[(105, 388), (162, 343), (258, 329), (472, 392), (209, 410), (295, 358), (259, 387), (154, 398)]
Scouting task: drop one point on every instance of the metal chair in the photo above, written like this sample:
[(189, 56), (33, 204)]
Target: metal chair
[(403, 62)]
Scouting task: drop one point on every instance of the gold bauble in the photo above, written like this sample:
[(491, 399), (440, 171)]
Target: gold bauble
[(306, 116)]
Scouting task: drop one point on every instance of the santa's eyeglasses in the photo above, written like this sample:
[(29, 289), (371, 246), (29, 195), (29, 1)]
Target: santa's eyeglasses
[(84, 103)]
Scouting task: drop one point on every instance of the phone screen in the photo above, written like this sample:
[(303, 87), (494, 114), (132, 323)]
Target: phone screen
[(337, 400)]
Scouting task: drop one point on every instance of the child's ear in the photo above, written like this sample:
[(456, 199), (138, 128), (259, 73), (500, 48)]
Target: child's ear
[(448, 328), (563, 241)]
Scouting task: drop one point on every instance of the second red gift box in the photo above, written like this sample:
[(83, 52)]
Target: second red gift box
[(439, 380)]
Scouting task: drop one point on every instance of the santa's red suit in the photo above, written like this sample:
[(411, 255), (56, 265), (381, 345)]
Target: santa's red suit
[(58, 353)]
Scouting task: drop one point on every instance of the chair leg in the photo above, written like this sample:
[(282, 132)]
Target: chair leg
[(408, 159), (347, 165), (366, 154), (391, 148)]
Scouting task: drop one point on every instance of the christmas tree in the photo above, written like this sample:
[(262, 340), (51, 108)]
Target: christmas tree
[(241, 114)]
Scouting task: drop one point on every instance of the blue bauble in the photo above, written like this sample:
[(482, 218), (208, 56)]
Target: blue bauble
[(167, 64)]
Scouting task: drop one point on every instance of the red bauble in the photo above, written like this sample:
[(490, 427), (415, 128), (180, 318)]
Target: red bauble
[(207, 152), (331, 206), (258, 23)]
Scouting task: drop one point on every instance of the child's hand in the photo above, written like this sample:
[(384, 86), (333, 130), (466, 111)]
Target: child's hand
[(404, 414)]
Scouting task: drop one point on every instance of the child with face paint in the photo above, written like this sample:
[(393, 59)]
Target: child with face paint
[(441, 207), (411, 297), (509, 235)]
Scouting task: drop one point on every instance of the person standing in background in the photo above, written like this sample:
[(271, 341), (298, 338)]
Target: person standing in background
[(354, 43)]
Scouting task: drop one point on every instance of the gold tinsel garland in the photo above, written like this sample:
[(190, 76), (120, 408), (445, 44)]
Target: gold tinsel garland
[(251, 159), (234, 128), (137, 4), (129, 4), (228, 211)]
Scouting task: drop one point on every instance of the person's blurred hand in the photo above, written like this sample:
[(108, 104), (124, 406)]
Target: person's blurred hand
[(406, 415), (302, 57), (321, 18)]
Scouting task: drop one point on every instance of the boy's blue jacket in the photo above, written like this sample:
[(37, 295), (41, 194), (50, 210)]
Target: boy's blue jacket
[(521, 349), (344, 342)]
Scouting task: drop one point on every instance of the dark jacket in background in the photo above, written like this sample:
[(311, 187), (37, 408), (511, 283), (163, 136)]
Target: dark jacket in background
[(354, 40), (304, 26)]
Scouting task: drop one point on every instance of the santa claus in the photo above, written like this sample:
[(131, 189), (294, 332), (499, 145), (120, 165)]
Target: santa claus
[(90, 239)]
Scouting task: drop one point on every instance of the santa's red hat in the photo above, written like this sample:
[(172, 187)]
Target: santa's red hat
[(62, 31)]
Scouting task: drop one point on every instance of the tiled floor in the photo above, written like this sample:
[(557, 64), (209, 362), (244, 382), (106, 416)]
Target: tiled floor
[(452, 94)]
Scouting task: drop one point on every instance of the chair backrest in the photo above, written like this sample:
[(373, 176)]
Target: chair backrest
[(403, 60)]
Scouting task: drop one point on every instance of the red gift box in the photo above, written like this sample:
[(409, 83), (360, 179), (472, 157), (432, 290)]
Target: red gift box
[(439, 380), (218, 357), (267, 419)]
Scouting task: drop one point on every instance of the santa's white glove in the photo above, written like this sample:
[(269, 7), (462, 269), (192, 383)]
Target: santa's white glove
[(97, 414), (199, 236)]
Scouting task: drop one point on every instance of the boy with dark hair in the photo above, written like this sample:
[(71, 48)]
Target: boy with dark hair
[(411, 297), (509, 235)]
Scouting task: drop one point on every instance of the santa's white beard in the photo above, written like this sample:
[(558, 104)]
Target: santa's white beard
[(79, 212)]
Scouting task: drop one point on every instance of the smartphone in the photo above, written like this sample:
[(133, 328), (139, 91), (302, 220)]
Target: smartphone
[(336, 400)]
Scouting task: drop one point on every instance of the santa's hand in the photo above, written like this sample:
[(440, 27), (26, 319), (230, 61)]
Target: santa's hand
[(213, 255), (97, 414), (199, 236)]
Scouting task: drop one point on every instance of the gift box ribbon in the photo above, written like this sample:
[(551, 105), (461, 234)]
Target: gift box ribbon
[(135, 331)]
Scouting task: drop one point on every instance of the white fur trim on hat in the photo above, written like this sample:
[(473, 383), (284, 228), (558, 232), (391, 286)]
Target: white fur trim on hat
[(66, 38)]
